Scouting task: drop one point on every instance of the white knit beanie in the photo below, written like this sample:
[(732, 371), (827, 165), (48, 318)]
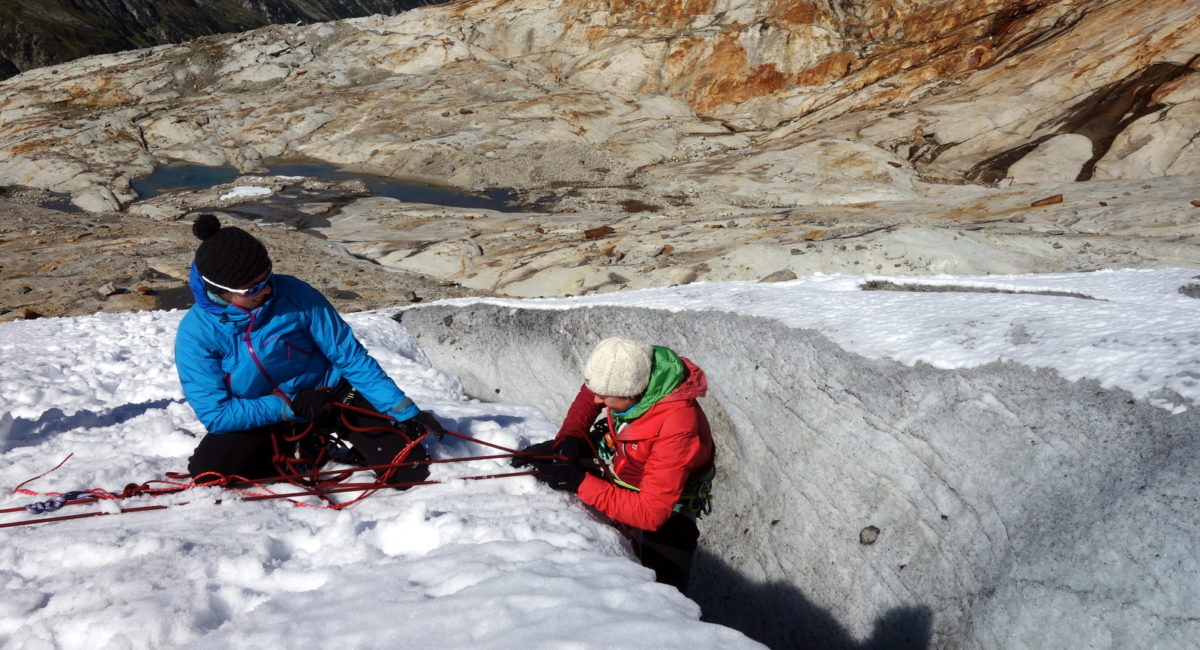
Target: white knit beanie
[(619, 368)]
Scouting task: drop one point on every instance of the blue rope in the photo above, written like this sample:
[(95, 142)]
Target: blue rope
[(51, 505)]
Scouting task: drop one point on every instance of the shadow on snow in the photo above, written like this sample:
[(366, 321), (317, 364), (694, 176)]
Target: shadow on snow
[(779, 615), (22, 432)]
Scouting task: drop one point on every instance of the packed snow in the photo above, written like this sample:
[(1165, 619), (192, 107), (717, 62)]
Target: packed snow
[(499, 563), (1128, 329), (245, 191), (502, 563)]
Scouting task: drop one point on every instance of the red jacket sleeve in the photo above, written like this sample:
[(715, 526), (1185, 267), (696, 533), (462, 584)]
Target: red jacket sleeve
[(581, 415), (676, 453)]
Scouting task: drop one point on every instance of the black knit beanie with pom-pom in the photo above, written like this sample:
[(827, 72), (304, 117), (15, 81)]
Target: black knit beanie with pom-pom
[(230, 256)]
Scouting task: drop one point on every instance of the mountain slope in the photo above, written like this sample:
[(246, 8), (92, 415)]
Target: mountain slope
[(953, 137), (33, 35)]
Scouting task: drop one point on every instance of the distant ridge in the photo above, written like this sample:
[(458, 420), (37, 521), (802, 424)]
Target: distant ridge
[(47, 32)]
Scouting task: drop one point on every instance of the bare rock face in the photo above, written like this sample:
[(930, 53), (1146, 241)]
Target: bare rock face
[(720, 139), (1097, 225), (576, 93), (994, 80), (55, 263), (1059, 158), (34, 34)]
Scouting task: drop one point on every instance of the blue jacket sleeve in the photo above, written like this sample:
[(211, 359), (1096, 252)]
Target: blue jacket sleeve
[(197, 360), (338, 343)]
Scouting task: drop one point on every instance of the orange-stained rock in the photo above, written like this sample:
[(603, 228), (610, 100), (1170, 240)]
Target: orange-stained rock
[(960, 89), (792, 14), (827, 70), (658, 12)]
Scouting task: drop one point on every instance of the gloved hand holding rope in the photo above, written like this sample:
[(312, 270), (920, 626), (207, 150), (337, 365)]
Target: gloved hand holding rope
[(565, 471), (312, 405), (424, 421)]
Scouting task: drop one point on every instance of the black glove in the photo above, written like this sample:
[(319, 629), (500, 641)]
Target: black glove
[(565, 472), (565, 446), (544, 448), (571, 449), (417, 425), (560, 476), (311, 404)]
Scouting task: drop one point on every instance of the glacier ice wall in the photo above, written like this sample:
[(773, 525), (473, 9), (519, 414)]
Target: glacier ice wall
[(1013, 508)]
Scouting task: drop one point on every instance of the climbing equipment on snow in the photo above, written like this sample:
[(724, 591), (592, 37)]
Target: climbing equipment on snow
[(51, 505), (308, 477)]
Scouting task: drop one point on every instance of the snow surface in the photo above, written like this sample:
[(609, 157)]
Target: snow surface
[(503, 563), (245, 191), (1128, 329)]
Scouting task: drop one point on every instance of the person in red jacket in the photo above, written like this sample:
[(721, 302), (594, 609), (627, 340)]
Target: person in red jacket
[(648, 463)]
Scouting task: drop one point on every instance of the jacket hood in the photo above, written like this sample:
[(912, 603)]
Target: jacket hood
[(692, 383), (695, 383), (200, 293), (226, 312)]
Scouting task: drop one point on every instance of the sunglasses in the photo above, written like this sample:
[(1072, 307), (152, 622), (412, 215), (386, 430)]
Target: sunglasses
[(248, 292)]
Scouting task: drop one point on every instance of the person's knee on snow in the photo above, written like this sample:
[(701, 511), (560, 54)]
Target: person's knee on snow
[(258, 349)]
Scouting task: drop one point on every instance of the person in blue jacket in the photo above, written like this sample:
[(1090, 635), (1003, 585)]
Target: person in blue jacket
[(259, 349)]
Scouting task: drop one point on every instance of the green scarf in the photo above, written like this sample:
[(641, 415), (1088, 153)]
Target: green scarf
[(666, 373)]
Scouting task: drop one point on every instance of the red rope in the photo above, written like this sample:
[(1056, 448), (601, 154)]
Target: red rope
[(254, 497), (20, 489), (314, 482)]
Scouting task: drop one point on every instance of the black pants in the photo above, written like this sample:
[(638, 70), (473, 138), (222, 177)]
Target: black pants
[(669, 550), (236, 453), (250, 453)]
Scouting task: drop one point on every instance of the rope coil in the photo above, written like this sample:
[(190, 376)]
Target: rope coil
[(313, 482)]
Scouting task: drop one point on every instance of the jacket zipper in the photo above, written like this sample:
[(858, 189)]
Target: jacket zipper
[(254, 355)]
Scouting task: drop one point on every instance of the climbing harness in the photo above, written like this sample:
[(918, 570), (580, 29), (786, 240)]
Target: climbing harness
[(696, 499), (296, 467)]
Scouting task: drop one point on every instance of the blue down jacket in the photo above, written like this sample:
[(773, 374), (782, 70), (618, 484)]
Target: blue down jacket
[(235, 365)]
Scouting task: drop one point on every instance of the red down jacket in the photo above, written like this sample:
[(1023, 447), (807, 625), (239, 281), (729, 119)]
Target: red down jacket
[(659, 453)]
